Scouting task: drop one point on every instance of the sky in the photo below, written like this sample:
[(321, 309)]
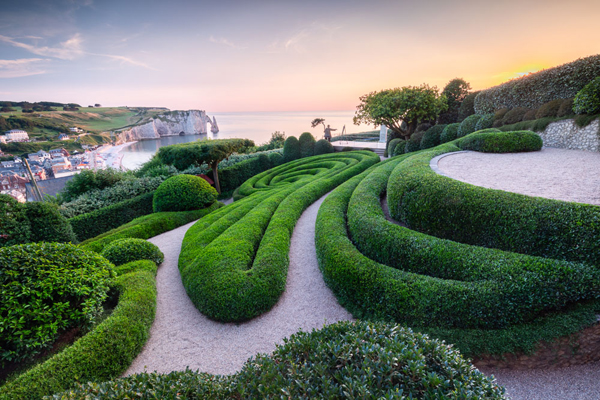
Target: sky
[(245, 55)]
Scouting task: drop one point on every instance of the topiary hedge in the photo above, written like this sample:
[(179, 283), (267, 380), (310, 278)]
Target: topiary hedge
[(400, 148), (587, 100), (449, 133), (432, 137), (515, 115), (47, 224), (394, 143), (485, 122), (549, 109), (14, 226), (236, 274), (47, 288), (307, 145), (496, 141), (468, 125), (566, 108), (322, 147), (183, 193), (414, 143), (343, 360), (123, 251), (291, 149), (103, 353)]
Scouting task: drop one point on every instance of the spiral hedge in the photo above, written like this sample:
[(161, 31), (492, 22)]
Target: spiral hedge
[(234, 261), (540, 264)]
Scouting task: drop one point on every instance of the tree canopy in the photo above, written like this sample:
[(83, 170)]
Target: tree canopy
[(401, 109), (211, 152), (455, 91)]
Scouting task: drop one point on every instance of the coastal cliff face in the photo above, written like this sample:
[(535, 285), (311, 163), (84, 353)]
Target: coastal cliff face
[(174, 123)]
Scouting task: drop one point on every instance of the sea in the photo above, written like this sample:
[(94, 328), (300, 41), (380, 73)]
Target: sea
[(257, 126)]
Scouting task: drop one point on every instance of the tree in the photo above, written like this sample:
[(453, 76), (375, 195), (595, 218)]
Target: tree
[(455, 91), (97, 105), (211, 152), (400, 109)]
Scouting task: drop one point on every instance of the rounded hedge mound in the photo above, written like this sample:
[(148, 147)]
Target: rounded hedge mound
[(183, 193), (494, 141), (323, 147), (432, 136), (122, 251), (549, 109), (486, 121), (14, 227), (45, 289), (343, 360), (449, 133), (307, 144), (414, 143), (291, 149), (394, 143), (587, 100), (468, 125), (47, 224), (275, 159), (399, 149)]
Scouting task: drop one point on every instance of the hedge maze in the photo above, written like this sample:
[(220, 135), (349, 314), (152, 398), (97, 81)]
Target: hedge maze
[(470, 264), (234, 261)]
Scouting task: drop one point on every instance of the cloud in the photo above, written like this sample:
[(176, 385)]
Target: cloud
[(67, 50), (21, 67), (126, 60), (224, 41)]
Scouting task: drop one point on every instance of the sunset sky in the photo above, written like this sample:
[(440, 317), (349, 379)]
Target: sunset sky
[(230, 55)]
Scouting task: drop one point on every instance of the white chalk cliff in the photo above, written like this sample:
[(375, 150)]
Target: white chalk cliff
[(173, 123)]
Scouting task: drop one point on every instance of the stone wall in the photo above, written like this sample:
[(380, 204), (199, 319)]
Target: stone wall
[(567, 135)]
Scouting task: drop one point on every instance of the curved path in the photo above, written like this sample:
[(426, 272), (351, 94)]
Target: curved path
[(182, 337), (570, 175)]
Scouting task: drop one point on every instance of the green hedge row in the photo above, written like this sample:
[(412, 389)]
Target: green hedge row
[(236, 274), (105, 352), (533, 90), (232, 177), (92, 224), (495, 141), (450, 209), (148, 226)]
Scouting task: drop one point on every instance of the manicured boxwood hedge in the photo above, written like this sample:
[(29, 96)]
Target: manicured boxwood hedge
[(236, 274), (495, 141), (232, 177), (468, 125), (432, 137), (105, 352), (123, 251), (92, 224), (449, 133), (359, 360), (183, 193)]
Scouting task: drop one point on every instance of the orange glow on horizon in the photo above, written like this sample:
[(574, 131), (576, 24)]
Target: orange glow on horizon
[(523, 69)]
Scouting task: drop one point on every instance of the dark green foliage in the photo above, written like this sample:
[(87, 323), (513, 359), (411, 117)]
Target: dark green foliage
[(515, 115), (455, 91), (123, 251), (585, 119), (414, 143), (104, 353), (530, 115), (148, 226), (499, 114), (154, 163), (345, 360), (449, 133), (533, 90), (587, 100), (432, 137), (232, 177), (276, 142), (549, 109), (323, 147), (88, 180), (183, 193), (349, 149), (103, 220), (239, 273), (394, 143), (468, 125), (485, 122), (14, 226), (496, 141), (307, 145), (185, 155), (47, 288), (291, 149), (47, 224), (400, 148), (566, 108), (467, 106), (276, 159), (423, 127)]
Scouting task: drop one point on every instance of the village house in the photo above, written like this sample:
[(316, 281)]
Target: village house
[(60, 164), (16, 135), (40, 156), (63, 136), (12, 181), (56, 153)]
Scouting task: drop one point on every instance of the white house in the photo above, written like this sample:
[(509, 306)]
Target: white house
[(75, 129), (16, 135), (63, 136), (39, 156)]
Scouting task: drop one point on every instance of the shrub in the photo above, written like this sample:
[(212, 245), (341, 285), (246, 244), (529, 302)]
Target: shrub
[(423, 127), (530, 115), (350, 149), (432, 136), (47, 288), (515, 115), (486, 121), (232, 177), (123, 251), (47, 224), (307, 145), (276, 159), (414, 143), (566, 108), (400, 148), (499, 114), (103, 220), (291, 149), (467, 106), (533, 90), (14, 226), (323, 147), (468, 125), (89, 179), (183, 193), (549, 109), (394, 143), (495, 141), (587, 100), (449, 133)]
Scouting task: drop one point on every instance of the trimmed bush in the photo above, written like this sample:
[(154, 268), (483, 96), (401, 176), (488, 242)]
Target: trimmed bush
[(123, 251), (515, 115), (432, 137), (183, 193), (291, 149), (449, 133), (414, 143), (307, 144), (400, 148), (14, 226), (499, 114), (92, 224), (322, 147), (530, 115), (338, 361), (47, 224), (468, 125), (394, 143), (549, 109), (104, 353), (88, 180), (587, 100), (275, 159), (486, 121), (566, 108), (495, 141), (47, 288)]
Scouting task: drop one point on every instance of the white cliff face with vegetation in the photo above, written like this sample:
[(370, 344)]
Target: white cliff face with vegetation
[(173, 123)]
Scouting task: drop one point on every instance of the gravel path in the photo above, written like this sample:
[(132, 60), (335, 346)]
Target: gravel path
[(569, 175), (181, 336)]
